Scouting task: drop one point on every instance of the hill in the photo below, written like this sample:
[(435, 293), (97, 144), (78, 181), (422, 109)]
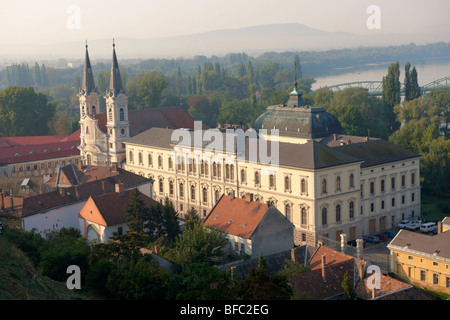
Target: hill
[(20, 281)]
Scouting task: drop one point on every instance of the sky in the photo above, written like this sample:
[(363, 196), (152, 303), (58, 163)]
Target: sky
[(55, 21)]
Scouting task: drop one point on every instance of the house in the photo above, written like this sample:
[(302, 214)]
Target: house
[(327, 270), (421, 259), (252, 227), (105, 214), (60, 207)]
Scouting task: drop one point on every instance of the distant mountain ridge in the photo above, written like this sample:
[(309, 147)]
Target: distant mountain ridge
[(252, 40)]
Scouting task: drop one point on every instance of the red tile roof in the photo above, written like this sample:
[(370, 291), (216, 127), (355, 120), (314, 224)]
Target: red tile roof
[(236, 216)]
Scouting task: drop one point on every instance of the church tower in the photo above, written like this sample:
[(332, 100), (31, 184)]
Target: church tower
[(89, 107), (117, 125)]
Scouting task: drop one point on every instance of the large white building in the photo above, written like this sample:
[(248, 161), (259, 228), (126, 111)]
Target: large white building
[(325, 183)]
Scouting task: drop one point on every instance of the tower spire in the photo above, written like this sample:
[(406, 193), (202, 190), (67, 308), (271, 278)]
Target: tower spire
[(88, 84), (115, 82)]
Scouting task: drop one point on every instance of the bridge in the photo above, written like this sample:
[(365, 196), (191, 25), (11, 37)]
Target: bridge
[(375, 88)]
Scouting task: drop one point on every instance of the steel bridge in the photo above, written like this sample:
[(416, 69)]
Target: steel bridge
[(375, 88)]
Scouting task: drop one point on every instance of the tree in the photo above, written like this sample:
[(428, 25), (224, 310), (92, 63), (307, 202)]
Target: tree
[(137, 212), (170, 220), (391, 95), (146, 90), (347, 286), (412, 89)]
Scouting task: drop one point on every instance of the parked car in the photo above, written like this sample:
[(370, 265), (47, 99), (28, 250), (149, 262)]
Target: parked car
[(403, 223), (428, 227), (372, 239), (413, 226), (381, 236), (389, 234)]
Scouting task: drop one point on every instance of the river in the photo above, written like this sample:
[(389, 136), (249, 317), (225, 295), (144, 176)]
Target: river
[(427, 72)]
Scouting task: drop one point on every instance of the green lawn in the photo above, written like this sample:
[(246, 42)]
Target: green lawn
[(434, 208)]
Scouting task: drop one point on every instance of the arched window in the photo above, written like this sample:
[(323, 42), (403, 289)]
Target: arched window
[(131, 156), (324, 186), (214, 169), (304, 217), (150, 160), (109, 114), (192, 192), (287, 183), (171, 187), (170, 163), (205, 195), (227, 171), (338, 212), (93, 110), (324, 216), (338, 183), (181, 190), (303, 186), (216, 195), (243, 176), (256, 177), (287, 211), (351, 209), (160, 162), (352, 180), (87, 130), (219, 170), (271, 181), (161, 185), (232, 172), (140, 157), (121, 115)]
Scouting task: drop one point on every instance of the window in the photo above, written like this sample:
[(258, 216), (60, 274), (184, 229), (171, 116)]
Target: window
[(181, 190), (403, 199), (287, 211), (393, 202), (109, 114), (324, 216), (413, 178), (372, 188), (324, 186), (87, 130), (216, 195), (171, 188), (192, 192), (304, 217), (351, 209), (412, 197), (393, 183), (338, 183), (140, 157), (403, 180), (338, 213), (93, 110), (170, 163), (256, 178), (161, 185), (303, 186), (205, 195), (131, 156), (382, 204), (423, 275), (435, 278), (382, 185), (372, 207), (352, 180), (202, 168), (287, 183), (243, 176), (121, 115), (227, 171), (271, 181), (214, 169), (150, 160), (160, 162)]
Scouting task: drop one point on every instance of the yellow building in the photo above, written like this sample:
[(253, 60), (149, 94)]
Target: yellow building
[(421, 259)]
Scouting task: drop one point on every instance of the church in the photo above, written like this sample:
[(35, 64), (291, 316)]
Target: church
[(103, 135)]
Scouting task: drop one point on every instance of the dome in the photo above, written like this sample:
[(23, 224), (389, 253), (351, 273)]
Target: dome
[(295, 119)]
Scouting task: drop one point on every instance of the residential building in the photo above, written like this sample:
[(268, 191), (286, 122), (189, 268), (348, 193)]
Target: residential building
[(252, 228), (59, 208), (37, 155), (421, 259), (105, 214)]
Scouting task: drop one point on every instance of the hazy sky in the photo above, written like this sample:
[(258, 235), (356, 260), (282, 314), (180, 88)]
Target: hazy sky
[(45, 21)]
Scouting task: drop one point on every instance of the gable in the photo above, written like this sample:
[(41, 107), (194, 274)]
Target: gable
[(90, 213)]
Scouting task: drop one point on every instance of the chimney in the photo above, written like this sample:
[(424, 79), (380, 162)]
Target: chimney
[(334, 136), (120, 188), (343, 242), (439, 227), (349, 141), (249, 197), (104, 186), (360, 270), (359, 248), (2, 203), (294, 255), (114, 166), (61, 192), (324, 278), (156, 249), (77, 194)]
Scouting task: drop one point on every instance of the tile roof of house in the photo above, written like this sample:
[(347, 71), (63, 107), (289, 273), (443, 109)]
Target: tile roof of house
[(236, 216), (113, 206), (337, 264), (310, 155), (66, 196), (376, 152), (24, 149), (144, 119), (336, 140), (436, 246), (390, 289)]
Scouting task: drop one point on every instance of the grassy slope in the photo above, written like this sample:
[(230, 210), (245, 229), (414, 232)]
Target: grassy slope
[(20, 281)]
